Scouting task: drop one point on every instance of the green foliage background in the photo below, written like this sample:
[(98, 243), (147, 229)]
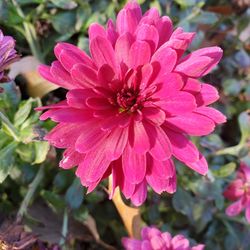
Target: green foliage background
[(197, 209)]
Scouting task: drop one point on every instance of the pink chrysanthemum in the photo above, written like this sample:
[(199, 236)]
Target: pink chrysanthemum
[(154, 239), (8, 53), (239, 191), (132, 104)]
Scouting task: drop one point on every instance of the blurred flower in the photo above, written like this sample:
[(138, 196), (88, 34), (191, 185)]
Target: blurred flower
[(239, 191), (131, 105), (8, 54), (154, 239)]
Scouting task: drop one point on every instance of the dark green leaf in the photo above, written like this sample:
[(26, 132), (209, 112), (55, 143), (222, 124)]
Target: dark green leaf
[(74, 194)]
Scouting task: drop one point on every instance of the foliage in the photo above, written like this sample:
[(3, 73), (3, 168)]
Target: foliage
[(197, 209)]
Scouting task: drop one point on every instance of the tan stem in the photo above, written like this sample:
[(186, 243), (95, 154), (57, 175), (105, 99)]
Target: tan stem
[(130, 216)]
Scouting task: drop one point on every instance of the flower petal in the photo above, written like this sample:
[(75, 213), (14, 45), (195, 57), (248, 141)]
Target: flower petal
[(139, 54), (191, 123), (200, 62), (134, 165), (183, 149), (140, 194), (235, 208), (102, 52)]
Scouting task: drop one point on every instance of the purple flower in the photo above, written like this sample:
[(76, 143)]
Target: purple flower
[(8, 53)]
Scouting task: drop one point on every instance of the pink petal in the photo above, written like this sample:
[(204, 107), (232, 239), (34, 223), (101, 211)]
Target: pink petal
[(84, 75), (67, 115), (200, 62), (134, 165), (69, 58), (191, 123), (44, 71), (131, 244), (154, 115), (149, 34), (128, 18), (211, 113), (154, 178), (192, 86), (105, 74), (178, 104), (64, 135), (71, 158), (161, 150), (141, 142), (94, 165), (146, 74), (198, 247), (89, 138), (183, 149), (122, 47), (139, 54), (121, 120), (95, 29), (235, 190), (179, 242), (79, 55), (112, 35), (165, 29), (161, 169), (62, 104), (166, 58), (102, 52), (235, 208), (118, 179), (157, 243), (208, 94), (199, 166), (98, 103), (140, 194), (76, 98), (150, 17), (116, 143)]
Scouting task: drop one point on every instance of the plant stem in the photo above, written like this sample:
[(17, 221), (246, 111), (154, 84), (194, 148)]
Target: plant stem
[(31, 190), (30, 34), (13, 131), (64, 227)]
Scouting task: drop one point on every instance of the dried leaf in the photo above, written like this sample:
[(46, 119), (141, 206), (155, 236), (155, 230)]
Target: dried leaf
[(36, 85)]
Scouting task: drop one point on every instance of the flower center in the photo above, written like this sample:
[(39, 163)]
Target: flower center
[(127, 99)]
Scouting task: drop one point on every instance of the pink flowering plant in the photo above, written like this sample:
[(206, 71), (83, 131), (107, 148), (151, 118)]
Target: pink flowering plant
[(153, 239), (133, 103), (137, 115), (238, 191)]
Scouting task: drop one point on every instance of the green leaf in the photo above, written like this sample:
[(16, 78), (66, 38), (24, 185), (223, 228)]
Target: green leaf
[(65, 4), (182, 202), (64, 22), (74, 194), (10, 98), (23, 112), (26, 152), (81, 214), (62, 180), (55, 201), (41, 151), (6, 160), (244, 122), (225, 170)]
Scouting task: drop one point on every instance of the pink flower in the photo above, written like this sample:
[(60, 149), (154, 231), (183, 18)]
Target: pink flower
[(154, 239), (7, 53), (239, 191), (131, 105)]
